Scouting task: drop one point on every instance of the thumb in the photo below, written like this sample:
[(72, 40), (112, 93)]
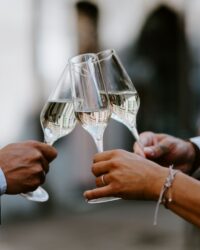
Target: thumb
[(157, 151)]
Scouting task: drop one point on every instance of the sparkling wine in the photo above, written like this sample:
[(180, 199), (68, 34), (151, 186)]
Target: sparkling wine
[(125, 105), (57, 119), (94, 122)]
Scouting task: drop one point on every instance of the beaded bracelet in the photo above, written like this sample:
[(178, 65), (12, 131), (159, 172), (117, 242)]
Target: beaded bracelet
[(162, 198)]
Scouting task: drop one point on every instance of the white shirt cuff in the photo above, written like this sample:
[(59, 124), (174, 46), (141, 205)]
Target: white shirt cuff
[(3, 183), (196, 140)]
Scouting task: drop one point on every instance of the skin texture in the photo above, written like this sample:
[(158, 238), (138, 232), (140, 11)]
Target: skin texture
[(131, 176), (25, 165), (127, 175)]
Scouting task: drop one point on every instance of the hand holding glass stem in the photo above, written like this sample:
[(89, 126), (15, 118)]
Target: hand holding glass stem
[(89, 75), (57, 120)]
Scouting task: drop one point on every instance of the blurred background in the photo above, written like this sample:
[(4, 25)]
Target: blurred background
[(158, 42)]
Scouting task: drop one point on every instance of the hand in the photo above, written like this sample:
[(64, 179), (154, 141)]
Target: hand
[(166, 150), (25, 165), (126, 175)]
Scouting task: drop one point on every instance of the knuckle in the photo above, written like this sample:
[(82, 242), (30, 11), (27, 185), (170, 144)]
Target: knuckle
[(33, 142), (38, 169), (115, 187), (112, 178), (118, 152), (38, 155), (114, 164)]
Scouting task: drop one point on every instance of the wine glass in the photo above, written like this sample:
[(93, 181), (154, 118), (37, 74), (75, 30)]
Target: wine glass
[(91, 102), (123, 96), (57, 120)]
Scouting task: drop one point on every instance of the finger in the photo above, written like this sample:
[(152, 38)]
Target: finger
[(146, 138), (49, 152), (42, 177), (98, 193), (38, 178), (149, 152), (149, 138), (106, 155), (138, 149), (45, 165), (101, 181), (159, 137), (156, 151), (101, 168)]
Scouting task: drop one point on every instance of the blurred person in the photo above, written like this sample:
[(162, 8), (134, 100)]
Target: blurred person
[(160, 64), (24, 165), (87, 26), (131, 176)]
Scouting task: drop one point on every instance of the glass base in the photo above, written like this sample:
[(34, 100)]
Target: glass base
[(103, 199), (39, 195)]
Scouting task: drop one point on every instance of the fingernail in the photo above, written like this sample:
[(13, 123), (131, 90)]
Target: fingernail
[(142, 141), (149, 151)]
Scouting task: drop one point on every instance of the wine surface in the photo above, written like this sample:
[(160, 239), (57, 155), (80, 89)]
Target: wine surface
[(125, 106), (57, 119)]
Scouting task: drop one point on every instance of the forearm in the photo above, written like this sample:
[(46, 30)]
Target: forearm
[(185, 193)]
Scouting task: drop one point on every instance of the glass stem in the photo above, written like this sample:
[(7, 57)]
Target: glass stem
[(137, 137), (135, 133), (50, 143), (99, 144)]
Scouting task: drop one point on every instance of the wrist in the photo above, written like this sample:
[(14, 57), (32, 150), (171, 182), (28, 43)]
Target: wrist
[(163, 197), (157, 181)]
